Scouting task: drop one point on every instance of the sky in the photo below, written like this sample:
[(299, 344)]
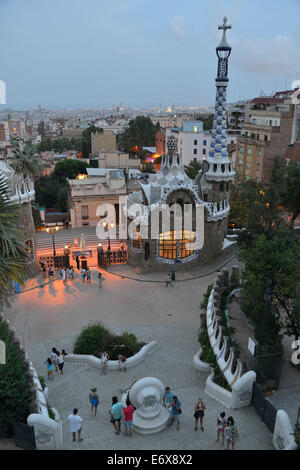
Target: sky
[(96, 53)]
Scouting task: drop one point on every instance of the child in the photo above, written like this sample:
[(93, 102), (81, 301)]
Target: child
[(49, 368), (94, 400)]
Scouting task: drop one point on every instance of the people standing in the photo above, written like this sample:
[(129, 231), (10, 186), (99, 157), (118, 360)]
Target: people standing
[(116, 414), (49, 368), (221, 423), (128, 417), (175, 412), (231, 433), (168, 398), (104, 361), (88, 276), (60, 360), (64, 353), (94, 400), (199, 413), (64, 275), (122, 362), (54, 358), (169, 281), (77, 262), (75, 425)]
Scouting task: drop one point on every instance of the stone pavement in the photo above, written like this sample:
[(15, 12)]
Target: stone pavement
[(172, 364)]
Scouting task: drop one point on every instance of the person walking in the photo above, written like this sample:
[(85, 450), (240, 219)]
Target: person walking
[(49, 368), (122, 362), (83, 274), (100, 279), (231, 433), (61, 362), (221, 424), (116, 412), (71, 273), (75, 425), (88, 276), (175, 412), (168, 398), (64, 353), (94, 400), (64, 275), (169, 281), (128, 417), (199, 413), (77, 262), (104, 361), (54, 358)]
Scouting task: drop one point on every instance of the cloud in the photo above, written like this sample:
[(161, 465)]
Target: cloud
[(177, 29), (278, 55)]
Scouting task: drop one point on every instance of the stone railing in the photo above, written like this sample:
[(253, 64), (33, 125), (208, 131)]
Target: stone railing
[(114, 365), (226, 355)]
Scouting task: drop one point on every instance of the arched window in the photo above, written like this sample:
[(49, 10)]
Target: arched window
[(176, 244)]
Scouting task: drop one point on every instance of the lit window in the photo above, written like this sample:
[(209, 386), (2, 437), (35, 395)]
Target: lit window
[(195, 128), (176, 244)]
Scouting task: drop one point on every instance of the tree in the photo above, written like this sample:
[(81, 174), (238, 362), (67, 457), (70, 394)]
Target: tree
[(274, 261), (12, 252), (26, 161), (207, 121), (69, 168), (62, 199), (139, 133), (291, 190), (192, 169), (46, 191)]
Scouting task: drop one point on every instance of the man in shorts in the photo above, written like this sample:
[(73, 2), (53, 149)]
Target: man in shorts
[(75, 425), (175, 412), (116, 413)]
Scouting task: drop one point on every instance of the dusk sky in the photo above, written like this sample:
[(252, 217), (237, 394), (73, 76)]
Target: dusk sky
[(93, 53)]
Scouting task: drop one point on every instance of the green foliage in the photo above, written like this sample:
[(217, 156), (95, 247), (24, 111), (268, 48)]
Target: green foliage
[(297, 435), (50, 412), (36, 216), (51, 191), (95, 339), (207, 121), (14, 390), (140, 132), (291, 189), (276, 261), (208, 354), (26, 160), (42, 382), (69, 169), (193, 169), (12, 252)]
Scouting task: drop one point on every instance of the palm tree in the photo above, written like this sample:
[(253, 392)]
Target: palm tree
[(26, 160), (12, 251)]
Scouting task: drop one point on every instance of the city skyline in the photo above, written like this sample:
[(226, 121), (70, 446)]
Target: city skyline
[(75, 55)]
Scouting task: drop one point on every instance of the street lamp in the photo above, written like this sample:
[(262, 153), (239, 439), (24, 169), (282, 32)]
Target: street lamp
[(107, 226), (53, 230), (268, 290)]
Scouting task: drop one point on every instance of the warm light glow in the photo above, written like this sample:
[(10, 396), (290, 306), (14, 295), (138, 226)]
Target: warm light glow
[(195, 128), (81, 177), (47, 230), (56, 228)]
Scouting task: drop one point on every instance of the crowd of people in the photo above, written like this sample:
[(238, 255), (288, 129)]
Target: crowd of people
[(55, 362), (122, 413)]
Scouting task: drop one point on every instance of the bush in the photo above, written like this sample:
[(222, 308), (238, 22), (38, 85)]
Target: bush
[(50, 412), (15, 395), (95, 339), (42, 382), (297, 435)]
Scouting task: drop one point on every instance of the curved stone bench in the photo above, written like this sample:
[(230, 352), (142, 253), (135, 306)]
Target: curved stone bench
[(113, 365), (200, 365)]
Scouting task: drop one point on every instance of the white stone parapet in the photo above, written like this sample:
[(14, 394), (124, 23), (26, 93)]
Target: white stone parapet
[(114, 365)]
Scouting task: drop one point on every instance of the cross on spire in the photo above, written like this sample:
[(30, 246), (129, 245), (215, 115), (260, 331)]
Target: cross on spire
[(224, 26)]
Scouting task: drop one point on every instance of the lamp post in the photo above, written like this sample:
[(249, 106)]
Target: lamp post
[(53, 230), (107, 226), (268, 290)]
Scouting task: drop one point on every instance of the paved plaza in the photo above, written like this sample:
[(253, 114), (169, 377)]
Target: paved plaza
[(54, 314)]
